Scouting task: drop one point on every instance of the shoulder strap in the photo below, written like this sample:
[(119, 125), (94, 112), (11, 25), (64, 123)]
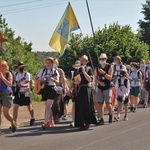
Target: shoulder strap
[(119, 82), (115, 67), (43, 72), (25, 74), (138, 73), (146, 68), (7, 74), (125, 82), (120, 67)]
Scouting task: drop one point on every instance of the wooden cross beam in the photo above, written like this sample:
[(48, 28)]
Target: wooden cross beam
[(2, 40)]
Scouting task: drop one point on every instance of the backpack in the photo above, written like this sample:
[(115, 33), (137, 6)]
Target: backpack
[(125, 82), (115, 67), (138, 73)]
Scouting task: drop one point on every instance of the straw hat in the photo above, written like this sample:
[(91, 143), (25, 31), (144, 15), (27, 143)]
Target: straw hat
[(77, 64), (84, 57), (20, 64), (48, 58)]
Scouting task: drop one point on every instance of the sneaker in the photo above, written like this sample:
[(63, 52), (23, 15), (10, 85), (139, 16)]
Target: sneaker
[(117, 118), (10, 127), (125, 118), (145, 106), (44, 125), (101, 122), (64, 117), (72, 124), (32, 121), (110, 119), (14, 127), (51, 124), (134, 109)]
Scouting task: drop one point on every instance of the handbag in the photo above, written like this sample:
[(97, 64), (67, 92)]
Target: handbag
[(59, 90)]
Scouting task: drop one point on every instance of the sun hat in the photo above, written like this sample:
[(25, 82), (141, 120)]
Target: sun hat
[(48, 58), (103, 55), (20, 64)]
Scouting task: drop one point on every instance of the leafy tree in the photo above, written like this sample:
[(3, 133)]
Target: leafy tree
[(145, 24), (113, 40), (16, 49)]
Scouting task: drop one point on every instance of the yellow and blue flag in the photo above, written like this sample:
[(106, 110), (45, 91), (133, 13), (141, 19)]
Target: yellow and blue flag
[(62, 33)]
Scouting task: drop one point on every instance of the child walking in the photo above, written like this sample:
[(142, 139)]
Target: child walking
[(122, 94)]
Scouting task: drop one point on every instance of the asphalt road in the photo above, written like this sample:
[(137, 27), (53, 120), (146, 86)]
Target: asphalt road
[(133, 134)]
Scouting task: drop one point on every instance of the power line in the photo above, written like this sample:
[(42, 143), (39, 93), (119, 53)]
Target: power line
[(20, 3), (35, 7)]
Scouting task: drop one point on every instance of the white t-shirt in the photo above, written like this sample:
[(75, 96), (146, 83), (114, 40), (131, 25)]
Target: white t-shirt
[(47, 74), (22, 78), (122, 90)]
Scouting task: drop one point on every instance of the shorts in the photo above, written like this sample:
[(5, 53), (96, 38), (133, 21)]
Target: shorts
[(103, 95), (147, 86), (66, 100), (48, 93), (135, 91), (21, 99), (125, 102), (6, 99)]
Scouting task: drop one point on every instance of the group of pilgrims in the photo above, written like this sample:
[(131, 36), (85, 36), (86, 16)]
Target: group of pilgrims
[(110, 85)]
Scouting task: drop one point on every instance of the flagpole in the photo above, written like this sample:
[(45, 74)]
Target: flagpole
[(91, 27)]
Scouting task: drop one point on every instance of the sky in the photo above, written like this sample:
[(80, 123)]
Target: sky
[(35, 20)]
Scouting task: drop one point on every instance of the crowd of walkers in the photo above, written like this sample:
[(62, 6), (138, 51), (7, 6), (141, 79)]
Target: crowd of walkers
[(112, 85)]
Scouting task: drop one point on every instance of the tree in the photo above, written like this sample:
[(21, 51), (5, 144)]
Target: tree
[(113, 40), (145, 24), (17, 49)]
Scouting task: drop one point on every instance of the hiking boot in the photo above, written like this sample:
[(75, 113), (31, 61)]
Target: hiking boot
[(14, 127), (131, 108), (110, 119), (32, 121), (101, 122), (87, 125), (125, 118)]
